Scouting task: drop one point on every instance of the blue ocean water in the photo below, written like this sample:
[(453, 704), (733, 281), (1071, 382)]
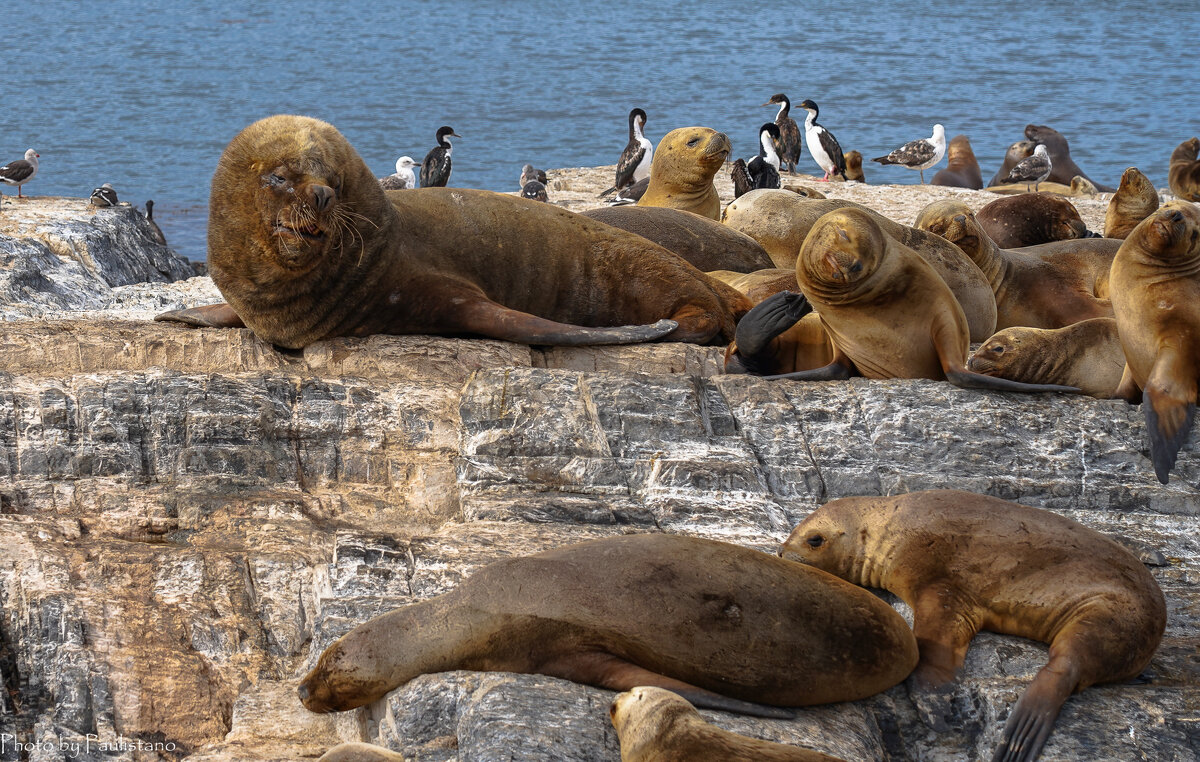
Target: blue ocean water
[(146, 96)]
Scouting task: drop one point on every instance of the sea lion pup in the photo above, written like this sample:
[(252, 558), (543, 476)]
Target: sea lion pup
[(1063, 168), (1156, 296), (656, 725), (703, 243), (1046, 286), (965, 562), (854, 169), (720, 624), (1086, 354), (1028, 219), (780, 222), (1016, 152), (962, 168), (305, 245), (356, 751), (1183, 176), (1135, 200), (683, 168), (886, 310), (759, 284)]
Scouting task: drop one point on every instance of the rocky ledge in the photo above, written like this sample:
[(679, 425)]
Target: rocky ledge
[(188, 517)]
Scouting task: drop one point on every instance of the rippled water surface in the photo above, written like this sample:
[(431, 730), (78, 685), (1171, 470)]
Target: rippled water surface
[(147, 96)]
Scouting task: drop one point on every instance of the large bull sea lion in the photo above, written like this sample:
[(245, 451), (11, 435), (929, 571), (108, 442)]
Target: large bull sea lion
[(1063, 167)]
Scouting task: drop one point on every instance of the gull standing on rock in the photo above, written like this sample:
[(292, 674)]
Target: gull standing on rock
[(403, 177), (435, 169), (789, 133), (822, 144), (20, 171), (919, 154), (634, 164), (763, 170), (105, 195), (1032, 169)]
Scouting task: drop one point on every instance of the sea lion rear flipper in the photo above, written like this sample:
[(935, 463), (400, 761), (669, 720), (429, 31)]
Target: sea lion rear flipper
[(1170, 408), (1033, 717), (838, 370), (487, 318), (971, 380), (209, 316)]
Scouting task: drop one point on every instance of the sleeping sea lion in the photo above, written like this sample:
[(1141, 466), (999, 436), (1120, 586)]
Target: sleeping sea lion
[(705, 244), (655, 725), (1155, 286), (1183, 174), (305, 245), (720, 624), (962, 168), (1086, 355), (965, 562), (1027, 219), (683, 168), (781, 221), (1135, 200), (1046, 286), (887, 312), (1062, 167)]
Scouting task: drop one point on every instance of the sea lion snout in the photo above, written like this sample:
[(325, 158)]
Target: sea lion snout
[(323, 196)]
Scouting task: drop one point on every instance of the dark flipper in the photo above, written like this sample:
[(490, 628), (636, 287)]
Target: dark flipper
[(769, 318), (834, 371), (970, 380), (210, 316), (705, 700), (1168, 422), (484, 317)]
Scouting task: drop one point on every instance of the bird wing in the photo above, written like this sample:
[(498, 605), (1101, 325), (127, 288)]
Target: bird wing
[(834, 150), (16, 171), (630, 158), (740, 175)]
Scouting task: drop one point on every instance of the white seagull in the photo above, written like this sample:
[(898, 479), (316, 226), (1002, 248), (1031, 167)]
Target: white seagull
[(20, 171), (403, 178)]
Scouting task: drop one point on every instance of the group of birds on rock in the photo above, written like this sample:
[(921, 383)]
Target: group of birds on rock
[(434, 168)]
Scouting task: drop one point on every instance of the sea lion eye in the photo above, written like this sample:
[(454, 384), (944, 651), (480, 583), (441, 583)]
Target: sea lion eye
[(815, 541), (693, 142), (998, 349), (856, 267), (275, 180)]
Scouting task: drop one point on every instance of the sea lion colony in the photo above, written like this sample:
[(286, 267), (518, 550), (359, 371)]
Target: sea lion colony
[(875, 298)]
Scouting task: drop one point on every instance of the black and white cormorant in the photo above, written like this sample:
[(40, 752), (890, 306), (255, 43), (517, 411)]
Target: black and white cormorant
[(634, 163), (403, 177), (103, 196), (435, 169), (919, 154), (1032, 169), (789, 133), (155, 230), (763, 170), (822, 144), (20, 171)]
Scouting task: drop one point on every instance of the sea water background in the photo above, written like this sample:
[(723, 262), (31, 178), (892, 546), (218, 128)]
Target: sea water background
[(146, 96)]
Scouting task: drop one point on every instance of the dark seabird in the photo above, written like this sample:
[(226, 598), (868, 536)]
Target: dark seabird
[(630, 195), (20, 171), (103, 196), (763, 170), (822, 144), (403, 177), (155, 230), (435, 170), (789, 133), (529, 174), (536, 190), (919, 154), (1032, 169), (634, 164)]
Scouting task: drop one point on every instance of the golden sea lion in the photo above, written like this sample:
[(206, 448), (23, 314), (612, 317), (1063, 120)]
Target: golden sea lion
[(781, 221), (759, 284), (656, 725), (854, 169), (962, 168), (1155, 286), (965, 562), (720, 624), (1062, 167), (1135, 200), (305, 245), (703, 243), (1028, 219), (1016, 152), (1046, 286), (1086, 355), (356, 751), (683, 168), (887, 312), (1183, 174)]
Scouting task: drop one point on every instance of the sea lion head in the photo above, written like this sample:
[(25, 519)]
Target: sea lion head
[(1081, 186), (346, 677), (1022, 149), (689, 156), (1171, 236), (959, 149), (937, 216), (1186, 151), (1047, 136), (842, 250), (289, 194), (1000, 355), (832, 538)]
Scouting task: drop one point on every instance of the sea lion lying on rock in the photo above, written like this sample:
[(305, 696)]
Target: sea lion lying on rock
[(1086, 354), (1028, 219)]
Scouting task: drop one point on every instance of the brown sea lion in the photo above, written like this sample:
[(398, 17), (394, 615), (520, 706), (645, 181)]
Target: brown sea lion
[(1086, 355), (965, 562), (780, 222), (1079, 188), (886, 310), (804, 190), (1047, 286), (1022, 149), (683, 168), (1155, 286), (1028, 219), (1063, 168), (1135, 200), (656, 725), (854, 168), (1183, 174), (356, 751), (759, 284), (720, 624), (962, 168), (305, 246), (705, 244)]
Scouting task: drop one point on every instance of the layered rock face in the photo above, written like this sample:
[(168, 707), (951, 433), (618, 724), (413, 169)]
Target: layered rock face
[(189, 517)]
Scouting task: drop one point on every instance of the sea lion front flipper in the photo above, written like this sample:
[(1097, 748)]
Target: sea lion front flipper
[(1033, 717), (943, 634), (971, 380), (838, 370), (487, 318), (209, 316), (769, 318), (1170, 407)]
